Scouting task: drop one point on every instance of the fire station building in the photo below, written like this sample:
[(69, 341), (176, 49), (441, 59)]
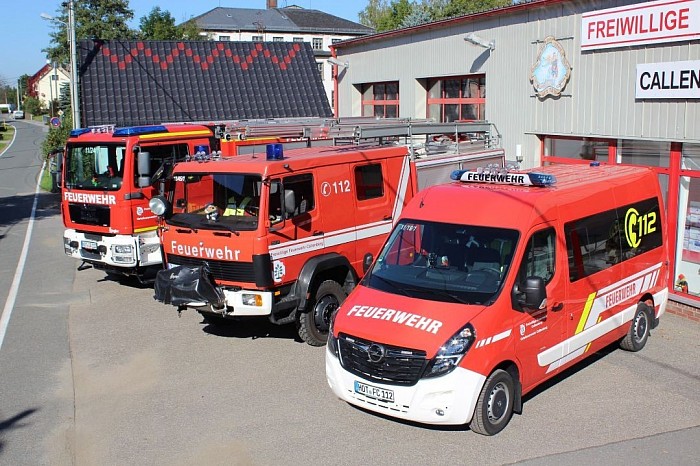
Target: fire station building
[(612, 81)]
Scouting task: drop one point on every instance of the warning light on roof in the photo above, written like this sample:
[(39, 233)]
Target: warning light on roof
[(274, 152), (139, 130), (502, 176)]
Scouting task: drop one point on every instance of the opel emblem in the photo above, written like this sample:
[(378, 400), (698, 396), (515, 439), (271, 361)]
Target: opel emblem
[(376, 352)]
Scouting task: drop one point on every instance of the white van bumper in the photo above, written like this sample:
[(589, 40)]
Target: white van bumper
[(446, 400)]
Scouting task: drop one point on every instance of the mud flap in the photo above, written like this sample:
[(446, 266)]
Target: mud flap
[(184, 285)]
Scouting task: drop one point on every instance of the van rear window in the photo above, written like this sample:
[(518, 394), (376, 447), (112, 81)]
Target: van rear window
[(602, 240)]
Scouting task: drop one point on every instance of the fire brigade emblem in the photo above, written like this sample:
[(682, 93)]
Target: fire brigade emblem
[(278, 271), (552, 70), (522, 329), (139, 211)]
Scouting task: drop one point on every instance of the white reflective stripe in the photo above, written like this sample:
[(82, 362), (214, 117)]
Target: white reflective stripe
[(401, 189), (575, 346), (501, 336), (334, 238)]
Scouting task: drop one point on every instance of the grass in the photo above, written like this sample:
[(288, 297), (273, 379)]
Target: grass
[(6, 134)]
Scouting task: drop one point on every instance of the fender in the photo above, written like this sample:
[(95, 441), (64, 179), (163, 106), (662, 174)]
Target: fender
[(317, 266)]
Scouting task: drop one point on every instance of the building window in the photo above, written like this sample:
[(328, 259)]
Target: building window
[(576, 148), (381, 99), (646, 153), (257, 38), (298, 39), (225, 38), (335, 41), (278, 39), (320, 69), (317, 43), (457, 99)]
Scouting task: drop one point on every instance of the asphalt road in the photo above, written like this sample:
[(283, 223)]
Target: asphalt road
[(95, 372)]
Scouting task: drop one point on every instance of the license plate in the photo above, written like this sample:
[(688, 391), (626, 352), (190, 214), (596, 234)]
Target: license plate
[(90, 245), (375, 393)]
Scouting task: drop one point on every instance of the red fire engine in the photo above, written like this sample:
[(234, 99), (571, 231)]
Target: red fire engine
[(289, 235), (110, 174)]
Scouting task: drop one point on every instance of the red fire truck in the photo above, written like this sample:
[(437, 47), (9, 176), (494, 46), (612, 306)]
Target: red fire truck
[(110, 174), (288, 235)]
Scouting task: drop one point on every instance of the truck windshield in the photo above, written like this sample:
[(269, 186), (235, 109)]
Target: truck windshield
[(98, 167), (217, 201), (444, 262)]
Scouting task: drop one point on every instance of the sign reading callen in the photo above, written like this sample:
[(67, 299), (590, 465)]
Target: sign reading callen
[(672, 80), (643, 23)]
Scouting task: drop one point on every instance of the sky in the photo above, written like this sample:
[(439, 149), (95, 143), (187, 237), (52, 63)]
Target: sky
[(23, 33)]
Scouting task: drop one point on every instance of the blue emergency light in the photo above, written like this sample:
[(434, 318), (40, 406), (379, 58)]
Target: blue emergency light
[(139, 130), (274, 152), (78, 132)]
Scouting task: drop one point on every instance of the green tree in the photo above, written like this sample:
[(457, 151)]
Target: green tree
[(190, 31), (33, 105), (384, 15), (103, 19), (159, 25)]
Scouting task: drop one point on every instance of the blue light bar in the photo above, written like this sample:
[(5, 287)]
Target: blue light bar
[(139, 130), (504, 177), (274, 151), (74, 133)]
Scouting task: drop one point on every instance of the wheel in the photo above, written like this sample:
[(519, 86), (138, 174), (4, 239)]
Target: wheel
[(638, 334), (495, 405), (314, 324)]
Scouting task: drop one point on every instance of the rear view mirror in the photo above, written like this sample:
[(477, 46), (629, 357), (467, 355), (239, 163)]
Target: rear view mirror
[(144, 169), (531, 293)]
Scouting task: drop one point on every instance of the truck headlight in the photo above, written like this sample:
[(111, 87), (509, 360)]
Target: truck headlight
[(332, 340), (252, 300), (451, 353), (159, 206), (123, 249)]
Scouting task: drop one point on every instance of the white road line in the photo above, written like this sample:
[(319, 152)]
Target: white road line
[(14, 135), (12, 295)]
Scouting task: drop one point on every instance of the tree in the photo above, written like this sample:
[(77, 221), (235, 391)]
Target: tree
[(190, 31), (383, 15), (159, 25), (102, 19)]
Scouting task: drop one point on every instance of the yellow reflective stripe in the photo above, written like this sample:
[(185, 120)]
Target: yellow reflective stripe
[(141, 230), (586, 312), (199, 132)]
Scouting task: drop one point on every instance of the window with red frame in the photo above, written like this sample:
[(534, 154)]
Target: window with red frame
[(460, 98), (381, 99)]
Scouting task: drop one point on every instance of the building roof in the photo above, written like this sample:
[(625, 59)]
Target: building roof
[(289, 20), (149, 82)]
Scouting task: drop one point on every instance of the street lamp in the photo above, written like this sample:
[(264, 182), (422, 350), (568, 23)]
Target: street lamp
[(75, 105)]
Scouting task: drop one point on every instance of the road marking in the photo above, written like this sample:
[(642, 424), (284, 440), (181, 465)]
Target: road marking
[(12, 295)]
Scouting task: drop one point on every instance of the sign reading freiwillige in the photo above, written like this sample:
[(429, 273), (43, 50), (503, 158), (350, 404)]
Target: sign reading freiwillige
[(642, 23), (671, 80)]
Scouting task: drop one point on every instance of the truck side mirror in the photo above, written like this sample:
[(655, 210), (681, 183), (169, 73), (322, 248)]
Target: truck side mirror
[(144, 169), (531, 293)]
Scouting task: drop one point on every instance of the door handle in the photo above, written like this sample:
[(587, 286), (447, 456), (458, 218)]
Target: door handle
[(557, 307), (317, 233)]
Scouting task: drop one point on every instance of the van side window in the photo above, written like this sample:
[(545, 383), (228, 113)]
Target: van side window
[(539, 258), (303, 188), (369, 182), (602, 240)]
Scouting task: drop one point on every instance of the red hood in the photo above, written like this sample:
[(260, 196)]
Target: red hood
[(400, 320)]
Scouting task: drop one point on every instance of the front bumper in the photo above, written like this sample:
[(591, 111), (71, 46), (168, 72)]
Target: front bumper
[(143, 249), (446, 400)]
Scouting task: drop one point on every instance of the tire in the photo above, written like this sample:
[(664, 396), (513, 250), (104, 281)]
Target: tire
[(638, 333), (314, 323), (495, 405)]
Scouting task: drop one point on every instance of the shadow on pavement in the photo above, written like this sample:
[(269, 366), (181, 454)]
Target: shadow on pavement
[(14, 422)]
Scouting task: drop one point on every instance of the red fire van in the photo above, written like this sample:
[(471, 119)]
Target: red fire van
[(496, 282)]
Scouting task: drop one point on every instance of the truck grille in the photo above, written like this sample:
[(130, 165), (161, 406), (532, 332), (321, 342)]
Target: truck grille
[(222, 270), (399, 366), (89, 214)]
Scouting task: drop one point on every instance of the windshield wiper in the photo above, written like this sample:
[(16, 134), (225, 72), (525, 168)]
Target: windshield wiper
[(391, 284)]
